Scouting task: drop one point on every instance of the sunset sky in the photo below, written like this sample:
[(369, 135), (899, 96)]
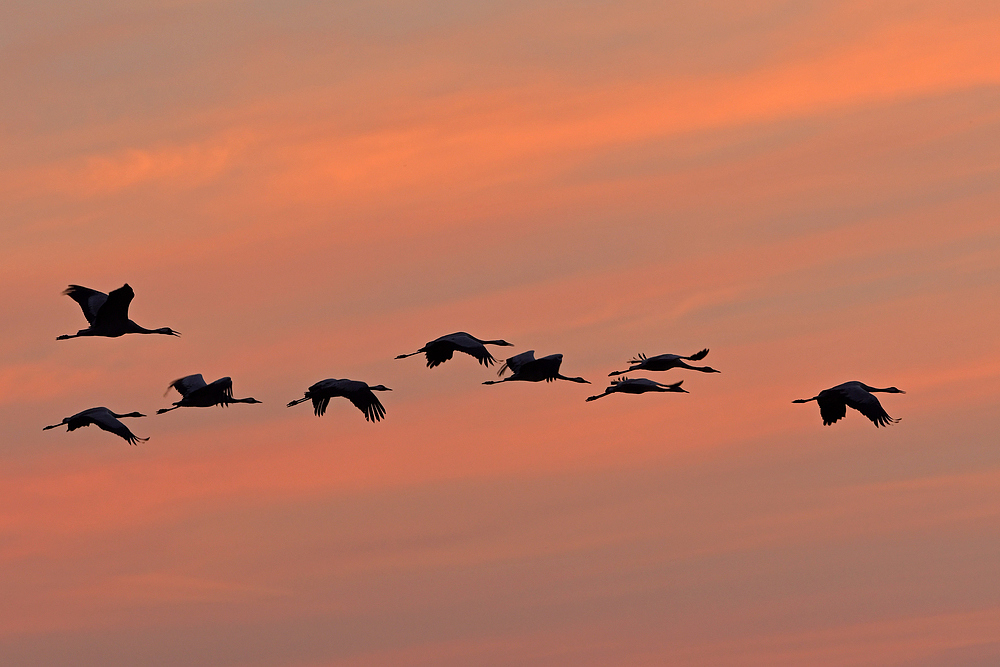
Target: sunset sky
[(306, 189)]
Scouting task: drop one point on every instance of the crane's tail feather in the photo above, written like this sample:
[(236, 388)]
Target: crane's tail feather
[(697, 356)]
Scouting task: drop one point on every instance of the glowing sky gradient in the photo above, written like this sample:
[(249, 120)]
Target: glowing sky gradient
[(307, 189)]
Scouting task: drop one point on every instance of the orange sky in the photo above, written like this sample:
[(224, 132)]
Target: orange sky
[(307, 189)]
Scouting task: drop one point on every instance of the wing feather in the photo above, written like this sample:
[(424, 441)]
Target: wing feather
[(515, 363), (437, 353), (831, 406), (188, 384), (90, 300), (366, 401), (867, 404), (115, 308)]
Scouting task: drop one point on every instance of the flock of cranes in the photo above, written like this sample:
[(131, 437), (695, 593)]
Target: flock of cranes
[(107, 315)]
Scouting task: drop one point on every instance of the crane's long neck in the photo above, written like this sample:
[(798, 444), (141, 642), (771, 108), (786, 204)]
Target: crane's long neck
[(132, 327), (703, 369), (563, 377)]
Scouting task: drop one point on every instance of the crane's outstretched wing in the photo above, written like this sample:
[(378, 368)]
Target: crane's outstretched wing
[(437, 353), (322, 392), (224, 385), (481, 354), (473, 347), (515, 363), (187, 384), (319, 405), (867, 404), (366, 401), (115, 308), (832, 407), (548, 367), (90, 300), (106, 421)]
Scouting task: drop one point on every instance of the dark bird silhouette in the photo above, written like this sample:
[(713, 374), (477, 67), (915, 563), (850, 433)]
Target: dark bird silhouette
[(358, 393), (525, 367), (103, 419), (639, 386), (441, 349), (196, 394), (833, 403), (108, 313), (664, 362)]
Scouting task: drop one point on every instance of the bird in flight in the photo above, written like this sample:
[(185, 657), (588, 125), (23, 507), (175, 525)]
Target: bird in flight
[(103, 419), (196, 393), (664, 362), (108, 313), (441, 349), (639, 386), (833, 403), (525, 367), (357, 392)]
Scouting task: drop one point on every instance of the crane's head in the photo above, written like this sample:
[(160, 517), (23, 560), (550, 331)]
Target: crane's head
[(380, 387), (893, 390), (167, 331)]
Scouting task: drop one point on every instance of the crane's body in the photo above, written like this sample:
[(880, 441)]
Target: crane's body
[(833, 402), (104, 419), (196, 393), (108, 313), (357, 392), (441, 349), (664, 362), (524, 367), (639, 386)]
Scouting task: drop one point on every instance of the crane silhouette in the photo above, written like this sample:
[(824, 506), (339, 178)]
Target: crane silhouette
[(108, 313), (833, 403), (357, 392), (441, 349), (664, 362), (195, 393), (525, 367), (638, 386), (103, 419)]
